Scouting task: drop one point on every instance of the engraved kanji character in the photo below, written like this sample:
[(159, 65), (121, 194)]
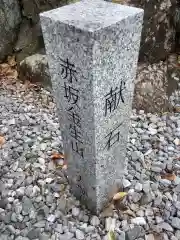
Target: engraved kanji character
[(113, 137), (68, 70), (77, 149), (113, 98), (71, 94)]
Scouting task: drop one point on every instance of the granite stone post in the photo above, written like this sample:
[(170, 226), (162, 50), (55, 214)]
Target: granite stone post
[(92, 49)]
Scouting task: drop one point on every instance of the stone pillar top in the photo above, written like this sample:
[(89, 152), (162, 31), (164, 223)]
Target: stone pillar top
[(92, 16)]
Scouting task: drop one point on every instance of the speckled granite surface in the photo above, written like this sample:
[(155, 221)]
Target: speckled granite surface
[(92, 49)]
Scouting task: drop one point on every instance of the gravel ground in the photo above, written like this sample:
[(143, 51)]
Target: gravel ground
[(35, 202)]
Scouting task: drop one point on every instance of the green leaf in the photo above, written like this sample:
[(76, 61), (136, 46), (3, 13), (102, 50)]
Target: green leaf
[(111, 235)]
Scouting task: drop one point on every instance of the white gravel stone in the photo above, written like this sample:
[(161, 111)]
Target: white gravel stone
[(175, 222), (49, 180), (152, 131), (75, 211), (110, 224), (174, 238), (15, 166), (138, 221), (79, 234), (166, 226), (12, 121), (165, 182), (1, 210), (59, 228), (126, 183), (131, 191), (138, 187), (9, 183), (177, 205), (177, 141), (41, 161), (159, 219), (10, 199), (51, 218), (146, 187), (177, 180), (40, 224), (43, 146), (21, 238), (140, 213), (149, 237), (95, 221)]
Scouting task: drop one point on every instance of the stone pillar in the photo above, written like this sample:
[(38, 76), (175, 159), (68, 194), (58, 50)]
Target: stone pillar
[(92, 49)]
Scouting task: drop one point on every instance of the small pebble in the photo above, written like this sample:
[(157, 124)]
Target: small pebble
[(138, 221), (95, 221)]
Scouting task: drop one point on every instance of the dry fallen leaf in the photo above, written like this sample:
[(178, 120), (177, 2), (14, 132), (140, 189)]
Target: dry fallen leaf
[(164, 113), (119, 195), (130, 213), (59, 167), (120, 206), (169, 176), (119, 1), (12, 73), (56, 156), (4, 68), (178, 59), (11, 61), (2, 140), (64, 167), (157, 236), (108, 211), (8, 71), (177, 109)]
